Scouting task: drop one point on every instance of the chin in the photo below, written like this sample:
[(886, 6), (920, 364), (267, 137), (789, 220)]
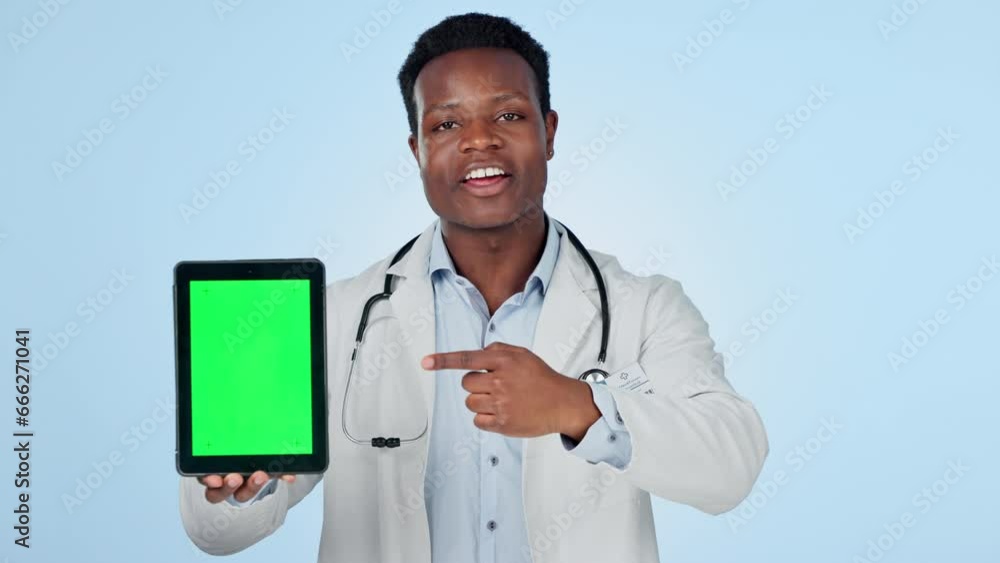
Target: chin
[(484, 215), (499, 211)]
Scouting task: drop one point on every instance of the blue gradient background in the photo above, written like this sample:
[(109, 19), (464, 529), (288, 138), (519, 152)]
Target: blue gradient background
[(320, 189)]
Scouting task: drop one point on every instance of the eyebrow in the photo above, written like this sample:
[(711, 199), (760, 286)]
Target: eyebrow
[(499, 98)]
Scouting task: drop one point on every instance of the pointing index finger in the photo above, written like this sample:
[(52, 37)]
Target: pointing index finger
[(465, 359)]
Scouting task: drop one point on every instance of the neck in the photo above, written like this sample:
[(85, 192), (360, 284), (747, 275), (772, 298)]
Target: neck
[(497, 260)]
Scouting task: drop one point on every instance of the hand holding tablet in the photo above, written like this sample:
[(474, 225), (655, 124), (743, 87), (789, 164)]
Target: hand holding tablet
[(218, 487), (251, 372)]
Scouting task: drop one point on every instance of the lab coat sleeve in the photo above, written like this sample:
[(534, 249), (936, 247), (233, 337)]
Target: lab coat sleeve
[(694, 440), (222, 528), (607, 439)]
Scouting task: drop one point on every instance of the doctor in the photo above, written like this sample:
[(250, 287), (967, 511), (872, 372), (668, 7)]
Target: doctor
[(473, 362)]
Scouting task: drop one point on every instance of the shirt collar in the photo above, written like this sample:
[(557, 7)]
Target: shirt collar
[(440, 259)]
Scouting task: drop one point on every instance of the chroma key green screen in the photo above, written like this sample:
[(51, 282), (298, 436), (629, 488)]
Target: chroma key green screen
[(250, 367)]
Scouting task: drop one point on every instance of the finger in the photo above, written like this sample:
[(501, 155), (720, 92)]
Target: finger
[(215, 496), (251, 487), (465, 359), (288, 478), (233, 481), (258, 478), (230, 484), (478, 382), (486, 422), (480, 403), (211, 481)]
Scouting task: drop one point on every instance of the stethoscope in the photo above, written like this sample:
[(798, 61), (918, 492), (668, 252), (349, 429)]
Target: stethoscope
[(593, 375)]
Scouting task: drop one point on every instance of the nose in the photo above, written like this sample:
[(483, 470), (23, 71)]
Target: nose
[(480, 135)]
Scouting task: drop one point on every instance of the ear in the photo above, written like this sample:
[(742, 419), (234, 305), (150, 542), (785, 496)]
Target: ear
[(551, 123), (414, 148)]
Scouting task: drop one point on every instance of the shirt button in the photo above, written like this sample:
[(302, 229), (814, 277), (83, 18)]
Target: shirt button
[(618, 417), (493, 327), (494, 460), (612, 438), (491, 525)]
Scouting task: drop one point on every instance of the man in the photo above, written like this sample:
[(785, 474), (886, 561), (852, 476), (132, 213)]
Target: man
[(498, 314)]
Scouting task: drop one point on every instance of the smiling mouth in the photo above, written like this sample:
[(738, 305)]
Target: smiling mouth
[(486, 182)]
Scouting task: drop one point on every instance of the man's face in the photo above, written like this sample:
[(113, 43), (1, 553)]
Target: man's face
[(479, 109)]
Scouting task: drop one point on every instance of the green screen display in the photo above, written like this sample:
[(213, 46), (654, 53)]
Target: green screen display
[(251, 367)]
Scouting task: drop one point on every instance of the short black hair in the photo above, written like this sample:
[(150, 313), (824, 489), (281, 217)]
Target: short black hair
[(471, 31)]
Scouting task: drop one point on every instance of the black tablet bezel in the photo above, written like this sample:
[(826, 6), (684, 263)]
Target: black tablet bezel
[(277, 463)]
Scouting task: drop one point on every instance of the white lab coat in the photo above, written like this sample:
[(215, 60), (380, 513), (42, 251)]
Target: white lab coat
[(694, 441)]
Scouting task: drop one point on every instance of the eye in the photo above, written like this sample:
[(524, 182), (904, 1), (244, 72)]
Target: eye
[(444, 126), (509, 116)]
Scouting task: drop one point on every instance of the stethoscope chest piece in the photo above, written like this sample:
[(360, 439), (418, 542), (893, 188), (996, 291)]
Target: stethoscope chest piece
[(594, 375)]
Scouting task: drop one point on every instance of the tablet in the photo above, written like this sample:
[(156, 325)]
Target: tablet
[(250, 350)]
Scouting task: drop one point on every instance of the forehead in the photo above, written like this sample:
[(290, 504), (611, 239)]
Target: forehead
[(475, 73)]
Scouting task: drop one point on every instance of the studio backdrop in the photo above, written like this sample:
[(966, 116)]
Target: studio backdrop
[(819, 176)]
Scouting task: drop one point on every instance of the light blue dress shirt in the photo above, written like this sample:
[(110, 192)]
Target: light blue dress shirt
[(472, 483)]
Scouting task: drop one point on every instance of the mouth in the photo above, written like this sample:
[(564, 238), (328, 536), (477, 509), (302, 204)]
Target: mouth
[(486, 181)]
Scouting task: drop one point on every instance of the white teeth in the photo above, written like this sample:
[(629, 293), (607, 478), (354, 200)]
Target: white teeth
[(484, 172)]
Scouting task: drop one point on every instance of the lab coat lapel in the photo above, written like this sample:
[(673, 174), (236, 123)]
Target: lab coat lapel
[(413, 305), (565, 339), (568, 311)]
